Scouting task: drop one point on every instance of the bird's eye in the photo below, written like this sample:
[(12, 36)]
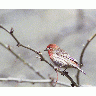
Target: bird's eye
[(49, 47)]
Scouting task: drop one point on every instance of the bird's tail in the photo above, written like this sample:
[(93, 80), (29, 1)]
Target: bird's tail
[(81, 70)]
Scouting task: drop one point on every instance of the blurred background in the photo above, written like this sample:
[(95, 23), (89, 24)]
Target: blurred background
[(69, 29)]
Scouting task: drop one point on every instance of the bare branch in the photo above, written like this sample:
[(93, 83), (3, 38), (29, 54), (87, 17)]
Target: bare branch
[(21, 59), (19, 80), (32, 81), (81, 56), (41, 56)]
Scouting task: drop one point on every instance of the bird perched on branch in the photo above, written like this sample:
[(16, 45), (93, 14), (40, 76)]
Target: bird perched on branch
[(62, 59)]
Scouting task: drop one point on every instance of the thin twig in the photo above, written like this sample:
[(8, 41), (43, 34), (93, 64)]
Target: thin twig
[(21, 59), (81, 56), (19, 80), (33, 81), (40, 54)]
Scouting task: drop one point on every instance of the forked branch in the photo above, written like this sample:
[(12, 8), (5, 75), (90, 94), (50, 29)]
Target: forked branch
[(81, 56), (40, 54)]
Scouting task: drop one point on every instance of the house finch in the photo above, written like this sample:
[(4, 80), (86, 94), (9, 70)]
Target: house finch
[(62, 59)]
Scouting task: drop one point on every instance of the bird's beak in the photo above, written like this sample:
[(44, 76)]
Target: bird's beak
[(46, 49)]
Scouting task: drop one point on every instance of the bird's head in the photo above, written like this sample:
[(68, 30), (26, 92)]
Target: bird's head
[(50, 48)]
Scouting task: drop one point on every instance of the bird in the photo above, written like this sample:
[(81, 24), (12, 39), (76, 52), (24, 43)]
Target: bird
[(61, 58)]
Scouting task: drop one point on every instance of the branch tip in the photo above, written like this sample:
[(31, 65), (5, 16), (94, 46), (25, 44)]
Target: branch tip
[(11, 31)]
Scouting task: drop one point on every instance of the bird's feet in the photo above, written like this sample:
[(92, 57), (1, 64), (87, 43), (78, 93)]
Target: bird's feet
[(64, 72)]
